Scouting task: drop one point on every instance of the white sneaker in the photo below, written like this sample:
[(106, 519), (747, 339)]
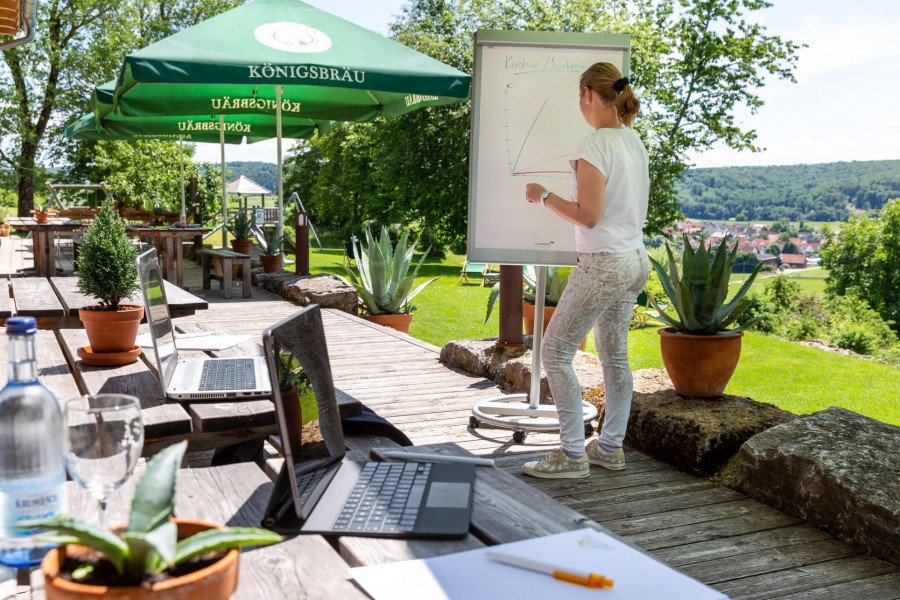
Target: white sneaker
[(614, 461), (557, 465)]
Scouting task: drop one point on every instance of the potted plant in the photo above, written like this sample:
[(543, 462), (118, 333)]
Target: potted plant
[(271, 251), (43, 212), (384, 287), (241, 228), (699, 350), (557, 279), (108, 272), (154, 555)]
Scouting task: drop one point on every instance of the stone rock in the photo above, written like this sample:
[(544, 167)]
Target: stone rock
[(696, 435), (479, 357), (325, 290), (835, 469), (515, 375)]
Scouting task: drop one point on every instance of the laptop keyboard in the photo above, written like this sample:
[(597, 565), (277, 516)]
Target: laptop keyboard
[(386, 497), (307, 482), (228, 374)]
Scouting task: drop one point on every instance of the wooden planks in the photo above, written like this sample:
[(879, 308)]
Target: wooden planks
[(34, 297), (180, 301), (6, 306), (301, 567)]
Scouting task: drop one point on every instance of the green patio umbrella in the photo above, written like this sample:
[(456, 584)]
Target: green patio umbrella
[(288, 57), (232, 128)]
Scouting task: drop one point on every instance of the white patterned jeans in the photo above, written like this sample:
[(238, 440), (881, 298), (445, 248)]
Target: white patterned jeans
[(600, 294)]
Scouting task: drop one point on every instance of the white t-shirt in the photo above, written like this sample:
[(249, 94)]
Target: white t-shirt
[(620, 155)]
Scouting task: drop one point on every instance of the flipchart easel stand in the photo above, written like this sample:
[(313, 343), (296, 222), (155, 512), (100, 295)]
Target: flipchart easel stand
[(523, 412)]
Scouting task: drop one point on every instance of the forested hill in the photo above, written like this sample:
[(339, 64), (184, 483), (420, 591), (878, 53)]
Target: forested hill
[(820, 192), (813, 192)]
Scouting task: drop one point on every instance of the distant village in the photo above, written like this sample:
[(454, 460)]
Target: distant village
[(778, 249)]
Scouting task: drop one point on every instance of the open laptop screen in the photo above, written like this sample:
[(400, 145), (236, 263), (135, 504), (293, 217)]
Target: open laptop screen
[(158, 319)]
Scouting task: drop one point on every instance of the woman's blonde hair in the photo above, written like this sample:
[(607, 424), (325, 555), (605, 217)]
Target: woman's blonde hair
[(605, 79)]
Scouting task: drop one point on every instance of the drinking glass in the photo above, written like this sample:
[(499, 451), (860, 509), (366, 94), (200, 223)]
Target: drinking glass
[(105, 436)]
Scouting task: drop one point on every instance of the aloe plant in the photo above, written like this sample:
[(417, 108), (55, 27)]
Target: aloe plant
[(557, 279), (150, 543), (272, 243), (698, 293), (383, 282), (242, 225)]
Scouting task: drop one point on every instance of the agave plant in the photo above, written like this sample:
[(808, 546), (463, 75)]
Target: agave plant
[(272, 243), (242, 225), (557, 279), (382, 282), (149, 544), (699, 292)]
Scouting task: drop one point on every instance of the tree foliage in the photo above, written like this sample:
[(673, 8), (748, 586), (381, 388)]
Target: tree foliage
[(48, 82), (864, 261), (693, 63), (821, 192)]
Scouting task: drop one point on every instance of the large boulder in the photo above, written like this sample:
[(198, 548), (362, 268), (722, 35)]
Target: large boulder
[(479, 357), (835, 469), (325, 290), (696, 435)]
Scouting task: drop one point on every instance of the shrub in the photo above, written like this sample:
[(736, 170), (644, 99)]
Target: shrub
[(761, 314), (783, 292), (106, 260), (856, 326), (802, 328)]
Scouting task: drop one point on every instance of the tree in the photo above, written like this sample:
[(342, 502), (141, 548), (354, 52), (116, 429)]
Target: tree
[(745, 262), (790, 248), (865, 261), (141, 173), (78, 44)]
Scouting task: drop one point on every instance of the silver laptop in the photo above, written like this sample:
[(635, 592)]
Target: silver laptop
[(335, 495), (193, 379)]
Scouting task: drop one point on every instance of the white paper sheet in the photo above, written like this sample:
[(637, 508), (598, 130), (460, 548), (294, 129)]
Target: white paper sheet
[(468, 575), (209, 341)]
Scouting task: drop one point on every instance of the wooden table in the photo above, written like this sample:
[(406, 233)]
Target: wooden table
[(167, 241), (55, 301), (45, 239), (312, 566), (206, 425)]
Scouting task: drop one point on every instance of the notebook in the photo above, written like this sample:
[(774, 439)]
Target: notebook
[(335, 495), (193, 379)]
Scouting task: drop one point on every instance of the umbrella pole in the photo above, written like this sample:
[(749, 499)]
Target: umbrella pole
[(280, 225), (224, 192), (182, 218)]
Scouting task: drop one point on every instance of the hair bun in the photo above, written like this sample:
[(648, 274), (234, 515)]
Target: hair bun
[(620, 84)]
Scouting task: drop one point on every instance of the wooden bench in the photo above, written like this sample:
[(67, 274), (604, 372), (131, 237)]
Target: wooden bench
[(227, 258)]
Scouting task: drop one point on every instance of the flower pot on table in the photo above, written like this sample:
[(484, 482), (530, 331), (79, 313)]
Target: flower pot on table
[(218, 580)]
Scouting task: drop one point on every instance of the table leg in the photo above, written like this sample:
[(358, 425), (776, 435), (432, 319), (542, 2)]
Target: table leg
[(179, 261), (226, 278), (169, 267), (245, 270), (51, 254), (205, 265)]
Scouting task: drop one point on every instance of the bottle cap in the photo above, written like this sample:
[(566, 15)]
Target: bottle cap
[(20, 325)]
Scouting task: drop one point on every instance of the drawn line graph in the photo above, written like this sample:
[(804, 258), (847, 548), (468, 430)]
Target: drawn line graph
[(536, 166)]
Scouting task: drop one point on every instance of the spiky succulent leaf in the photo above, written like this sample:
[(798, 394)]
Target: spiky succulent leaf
[(492, 300), (557, 285), (151, 551), (154, 496), (667, 282), (419, 288), (726, 310), (223, 539), (86, 534), (399, 264), (666, 317)]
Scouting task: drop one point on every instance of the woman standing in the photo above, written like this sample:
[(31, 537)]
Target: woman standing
[(610, 191)]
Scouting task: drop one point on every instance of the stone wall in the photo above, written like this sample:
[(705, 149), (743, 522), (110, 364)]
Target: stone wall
[(323, 289)]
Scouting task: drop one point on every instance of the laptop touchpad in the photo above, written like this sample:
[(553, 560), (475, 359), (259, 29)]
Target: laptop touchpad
[(445, 494)]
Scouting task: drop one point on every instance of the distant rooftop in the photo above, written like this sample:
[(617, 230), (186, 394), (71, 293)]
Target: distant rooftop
[(245, 186)]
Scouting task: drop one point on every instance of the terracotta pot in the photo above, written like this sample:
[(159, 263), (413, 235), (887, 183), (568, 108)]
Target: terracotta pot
[(700, 365), (112, 331), (398, 322), (528, 320), (4, 230), (217, 269), (271, 264), (218, 580), (41, 217), (242, 246)]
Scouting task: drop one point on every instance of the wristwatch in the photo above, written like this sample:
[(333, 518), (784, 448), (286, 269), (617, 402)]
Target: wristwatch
[(544, 197)]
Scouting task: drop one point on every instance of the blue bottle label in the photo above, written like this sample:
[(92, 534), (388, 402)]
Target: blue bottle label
[(26, 505)]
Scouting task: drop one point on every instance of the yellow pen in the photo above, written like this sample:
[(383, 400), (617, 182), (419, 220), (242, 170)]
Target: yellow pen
[(577, 576)]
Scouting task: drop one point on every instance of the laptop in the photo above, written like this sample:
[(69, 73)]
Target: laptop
[(200, 378), (335, 495)]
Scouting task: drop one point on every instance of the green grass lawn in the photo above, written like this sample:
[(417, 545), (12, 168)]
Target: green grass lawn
[(795, 378), (811, 279)]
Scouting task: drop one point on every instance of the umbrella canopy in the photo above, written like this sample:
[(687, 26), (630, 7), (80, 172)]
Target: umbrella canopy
[(288, 57), (331, 69), (245, 186)]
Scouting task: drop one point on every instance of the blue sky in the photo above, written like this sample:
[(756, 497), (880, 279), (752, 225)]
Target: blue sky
[(844, 106)]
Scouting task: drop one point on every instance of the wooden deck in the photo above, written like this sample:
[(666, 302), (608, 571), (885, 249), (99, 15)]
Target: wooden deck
[(722, 538)]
